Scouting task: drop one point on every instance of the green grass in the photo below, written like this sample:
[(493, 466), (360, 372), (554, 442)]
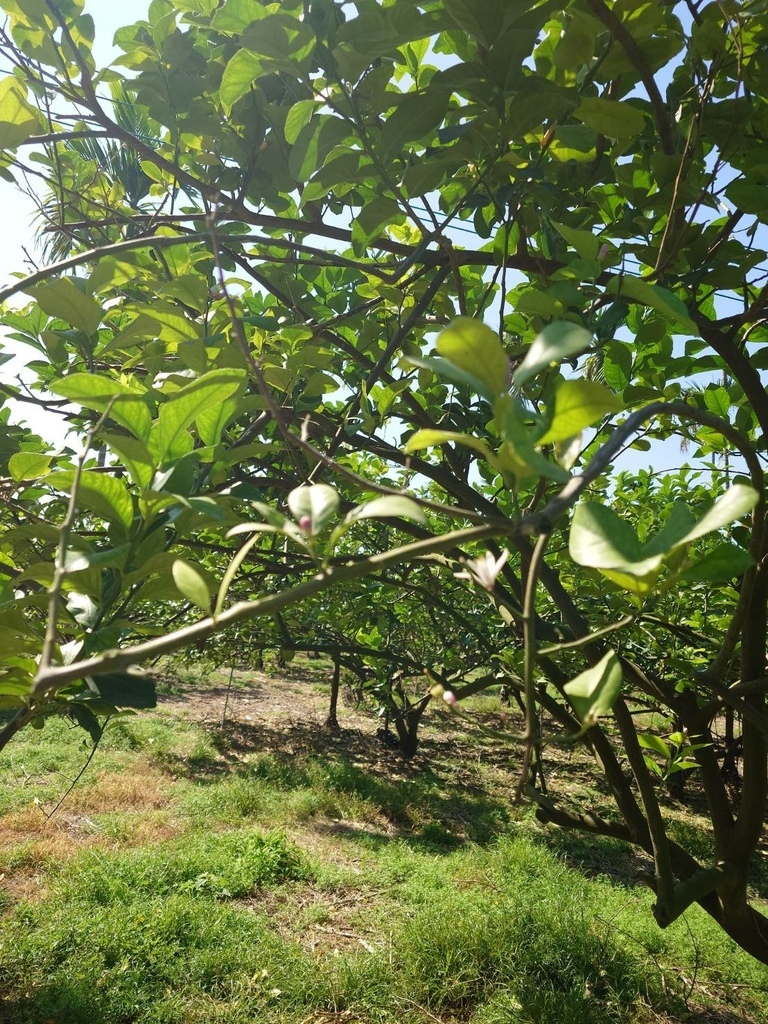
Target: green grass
[(205, 881)]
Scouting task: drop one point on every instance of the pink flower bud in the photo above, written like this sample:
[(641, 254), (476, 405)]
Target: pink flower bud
[(306, 523), (450, 697)]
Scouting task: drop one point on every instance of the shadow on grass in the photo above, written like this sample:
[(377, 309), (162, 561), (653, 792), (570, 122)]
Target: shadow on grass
[(65, 1002), (428, 802)]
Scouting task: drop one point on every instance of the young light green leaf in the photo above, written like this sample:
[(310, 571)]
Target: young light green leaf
[(475, 349), (579, 404), (297, 117), (603, 540), (654, 743), (313, 506), (592, 693), (430, 438), (388, 506), (101, 493), (63, 299), (28, 465), (191, 584), (557, 341)]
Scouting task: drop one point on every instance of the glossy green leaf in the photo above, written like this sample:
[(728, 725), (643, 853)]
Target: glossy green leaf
[(557, 341), (655, 743), (191, 584), (593, 692), (579, 404), (475, 349)]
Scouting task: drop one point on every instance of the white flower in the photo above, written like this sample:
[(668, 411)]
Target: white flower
[(483, 570)]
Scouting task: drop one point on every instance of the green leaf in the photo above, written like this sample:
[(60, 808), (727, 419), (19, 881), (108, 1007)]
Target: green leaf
[(446, 369), (86, 719), (134, 456), (63, 299), (416, 116), (635, 289), (236, 15), (297, 118), (475, 349), (29, 465), (191, 584), (654, 743), (313, 144), (371, 221), (95, 391), (737, 501), (239, 75), (317, 502), (101, 493), (429, 438), (18, 118), (725, 563), (601, 539), (579, 404), (557, 341), (592, 693), (585, 243), (212, 422), (611, 118), (169, 440), (388, 506)]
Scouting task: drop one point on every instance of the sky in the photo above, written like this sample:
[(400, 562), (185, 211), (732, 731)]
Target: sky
[(18, 210)]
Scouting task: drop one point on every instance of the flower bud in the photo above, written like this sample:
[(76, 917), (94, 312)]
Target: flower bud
[(450, 697), (306, 523)]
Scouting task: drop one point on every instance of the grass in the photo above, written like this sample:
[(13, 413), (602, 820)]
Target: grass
[(270, 873)]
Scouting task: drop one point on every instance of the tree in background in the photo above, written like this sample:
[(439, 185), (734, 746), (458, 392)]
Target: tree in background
[(408, 280)]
